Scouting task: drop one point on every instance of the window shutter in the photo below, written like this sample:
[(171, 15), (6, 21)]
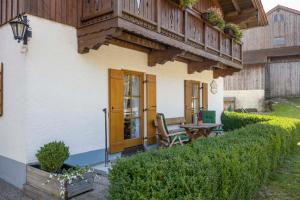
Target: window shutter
[(151, 106), (188, 101), (205, 96), (116, 111), (1, 89)]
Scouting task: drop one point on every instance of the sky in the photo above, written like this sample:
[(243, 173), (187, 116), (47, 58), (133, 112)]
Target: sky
[(269, 4)]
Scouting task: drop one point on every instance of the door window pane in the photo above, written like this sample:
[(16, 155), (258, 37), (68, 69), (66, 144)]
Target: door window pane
[(195, 90), (135, 86), (135, 128), (126, 85), (135, 106)]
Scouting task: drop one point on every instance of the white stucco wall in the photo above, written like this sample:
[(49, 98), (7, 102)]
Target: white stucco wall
[(12, 123), (67, 91), (247, 98)]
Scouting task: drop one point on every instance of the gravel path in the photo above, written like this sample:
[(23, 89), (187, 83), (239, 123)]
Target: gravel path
[(9, 192)]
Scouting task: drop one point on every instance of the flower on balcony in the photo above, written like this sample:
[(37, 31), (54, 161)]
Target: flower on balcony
[(234, 31), (215, 16), (187, 3)]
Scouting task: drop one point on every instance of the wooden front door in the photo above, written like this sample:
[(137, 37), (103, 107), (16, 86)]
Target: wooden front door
[(126, 112), (196, 99)]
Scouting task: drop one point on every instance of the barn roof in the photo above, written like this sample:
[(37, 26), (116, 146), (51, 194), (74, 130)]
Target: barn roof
[(280, 7)]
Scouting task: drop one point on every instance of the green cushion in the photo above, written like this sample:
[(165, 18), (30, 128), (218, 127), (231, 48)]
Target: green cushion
[(209, 116)]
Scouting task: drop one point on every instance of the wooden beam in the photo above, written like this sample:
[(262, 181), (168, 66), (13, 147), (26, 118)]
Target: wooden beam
[(201, 66), (162, 56), (224, 72), (242, 17), (129, 45), (236, 6), (141, 41)]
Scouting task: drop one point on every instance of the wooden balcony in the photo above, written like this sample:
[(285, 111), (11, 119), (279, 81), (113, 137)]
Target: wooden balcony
[(160, 28)]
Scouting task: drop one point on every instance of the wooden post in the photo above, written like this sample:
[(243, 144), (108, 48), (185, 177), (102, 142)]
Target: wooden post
[(267, 80), (205, 30), (158, 15), (117, 8), (220, 44), (231, 49), (185, 25)]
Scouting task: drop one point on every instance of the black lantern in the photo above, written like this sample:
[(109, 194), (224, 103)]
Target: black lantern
[(21, 29)]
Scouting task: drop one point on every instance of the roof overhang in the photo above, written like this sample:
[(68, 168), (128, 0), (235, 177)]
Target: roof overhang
[(261, 56), (245, 13)]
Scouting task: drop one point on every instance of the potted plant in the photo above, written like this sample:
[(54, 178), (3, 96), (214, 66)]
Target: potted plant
[(214, 16), (185, 3), (234, 31), (50, 178)]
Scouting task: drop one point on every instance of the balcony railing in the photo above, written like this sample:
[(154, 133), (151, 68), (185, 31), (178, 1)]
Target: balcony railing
[(167, 19)]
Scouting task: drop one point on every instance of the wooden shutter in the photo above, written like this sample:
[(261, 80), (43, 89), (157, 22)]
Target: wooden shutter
[(1, 89), (116, 111), (205, 96), (188, 93), (151, 106)]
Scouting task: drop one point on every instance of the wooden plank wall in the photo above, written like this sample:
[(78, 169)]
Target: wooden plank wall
[(289, 29), (284, 79), (250, 78), (67, 11), (9, 9), (63, 11)]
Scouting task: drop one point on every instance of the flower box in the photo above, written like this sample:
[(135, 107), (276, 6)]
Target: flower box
[(39, 185), (229, 32)]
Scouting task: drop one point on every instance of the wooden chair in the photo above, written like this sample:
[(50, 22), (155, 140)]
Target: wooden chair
[(168, 138)]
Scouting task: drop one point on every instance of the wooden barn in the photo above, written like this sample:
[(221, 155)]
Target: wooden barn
[(271, 62)]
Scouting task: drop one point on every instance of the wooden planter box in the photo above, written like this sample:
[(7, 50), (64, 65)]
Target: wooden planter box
[(37, 188), (229, 32)]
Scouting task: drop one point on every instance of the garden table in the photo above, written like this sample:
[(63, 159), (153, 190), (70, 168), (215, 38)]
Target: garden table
[(195, 131)]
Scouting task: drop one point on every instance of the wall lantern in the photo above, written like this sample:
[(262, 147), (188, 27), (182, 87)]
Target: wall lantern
[(21, 29)]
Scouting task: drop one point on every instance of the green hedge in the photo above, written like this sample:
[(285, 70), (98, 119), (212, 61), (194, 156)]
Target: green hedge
[(233, 166)]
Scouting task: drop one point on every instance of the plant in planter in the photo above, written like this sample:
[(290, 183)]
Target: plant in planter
[(214, 16), (234, 31), (185, 3), (52, 179), (52, 156)]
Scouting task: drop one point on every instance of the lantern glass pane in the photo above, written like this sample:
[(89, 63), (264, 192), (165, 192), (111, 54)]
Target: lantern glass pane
[(21, 30), (14, 29)]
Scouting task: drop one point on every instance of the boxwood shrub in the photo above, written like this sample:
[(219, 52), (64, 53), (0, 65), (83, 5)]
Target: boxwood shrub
[(229, 167)]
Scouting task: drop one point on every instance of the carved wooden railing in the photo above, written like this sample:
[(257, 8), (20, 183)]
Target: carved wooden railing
[(166, 18)]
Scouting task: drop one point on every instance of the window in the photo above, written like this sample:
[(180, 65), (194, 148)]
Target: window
[(278, 18), (1, 89), (279, 41)]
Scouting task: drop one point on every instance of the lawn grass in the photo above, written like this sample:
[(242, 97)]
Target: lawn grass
[(285, 182), (286, 110), (296, 101)]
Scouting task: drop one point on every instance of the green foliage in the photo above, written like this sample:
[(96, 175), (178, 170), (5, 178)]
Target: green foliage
[(238, 34), (52, 156), (230, 167), (187, 3), (215, 16)]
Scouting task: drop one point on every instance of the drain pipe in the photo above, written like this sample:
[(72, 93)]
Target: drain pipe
[(106, 149)]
